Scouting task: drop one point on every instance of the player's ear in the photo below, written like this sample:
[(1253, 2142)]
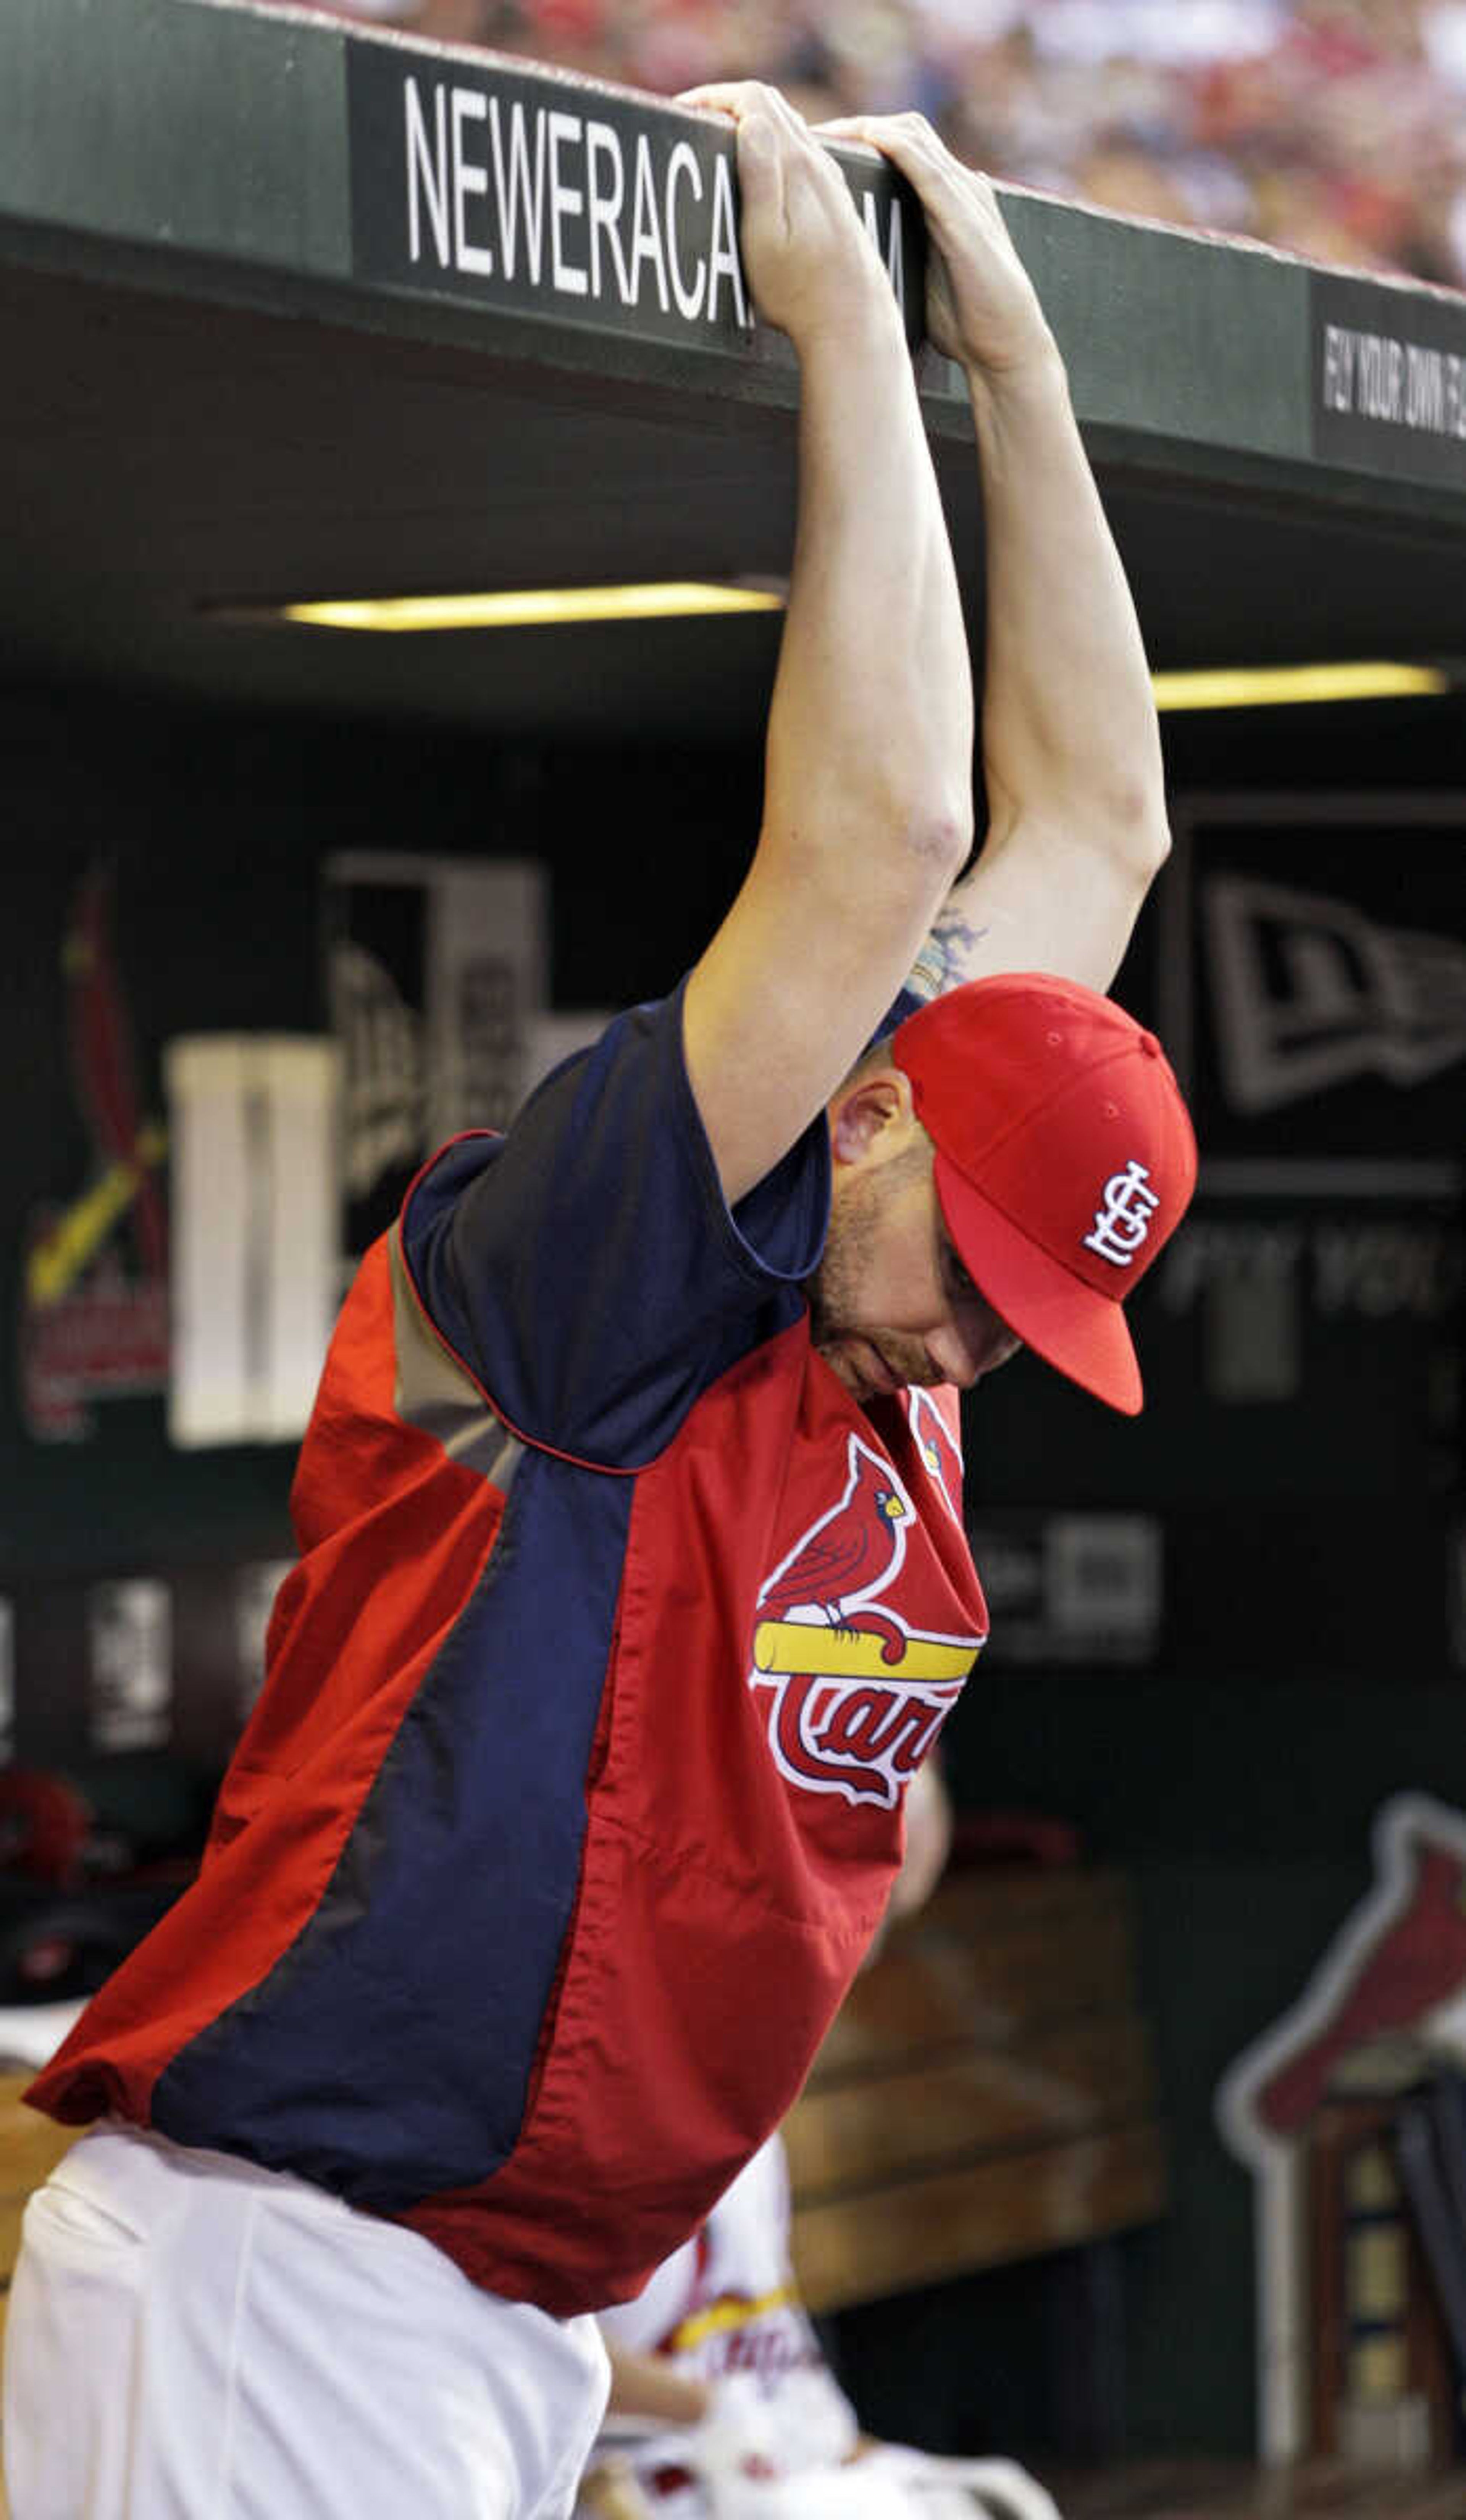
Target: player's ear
[(871, 1116)]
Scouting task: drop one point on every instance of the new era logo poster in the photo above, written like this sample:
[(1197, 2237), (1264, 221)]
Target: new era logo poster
[(435, 978), (1314, 977)]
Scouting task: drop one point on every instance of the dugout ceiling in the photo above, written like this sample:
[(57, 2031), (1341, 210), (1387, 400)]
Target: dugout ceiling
[(290, 310)]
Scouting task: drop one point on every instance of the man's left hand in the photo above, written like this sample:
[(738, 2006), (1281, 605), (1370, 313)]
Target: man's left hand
[(982, 307)]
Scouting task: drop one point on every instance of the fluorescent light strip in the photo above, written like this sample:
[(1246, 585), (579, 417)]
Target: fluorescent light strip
[(1227, 687), (528, 606), (1271, 686)]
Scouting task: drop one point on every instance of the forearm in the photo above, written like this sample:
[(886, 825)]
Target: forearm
[(1070, 747), (871, 726), (644, 2384), (1068, 719), (868, 779)]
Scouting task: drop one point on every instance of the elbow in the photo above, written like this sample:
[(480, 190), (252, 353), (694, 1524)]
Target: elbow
[(1134, 831), (1152, 841), (935, 839), (900, 843)]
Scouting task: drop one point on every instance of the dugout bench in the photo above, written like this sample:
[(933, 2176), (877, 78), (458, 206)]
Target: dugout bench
[(985, 2095)]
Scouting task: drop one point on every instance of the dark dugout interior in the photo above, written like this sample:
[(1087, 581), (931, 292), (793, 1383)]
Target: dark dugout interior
[(1308, 1658)]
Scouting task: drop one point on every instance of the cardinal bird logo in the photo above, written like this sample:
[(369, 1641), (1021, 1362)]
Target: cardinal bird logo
[(92, 1327), (1396, 1972), (854, 1696), (939, 1449), (1385, 2000), (855, 1550)]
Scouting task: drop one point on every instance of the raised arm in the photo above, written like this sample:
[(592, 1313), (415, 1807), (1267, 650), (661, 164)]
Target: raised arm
[(1071, 746), (867, 803)]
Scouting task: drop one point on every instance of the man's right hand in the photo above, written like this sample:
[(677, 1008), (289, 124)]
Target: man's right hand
[(809, 263)]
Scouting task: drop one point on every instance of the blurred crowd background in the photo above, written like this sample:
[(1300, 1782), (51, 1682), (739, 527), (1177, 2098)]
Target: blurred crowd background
[(1331, 128)]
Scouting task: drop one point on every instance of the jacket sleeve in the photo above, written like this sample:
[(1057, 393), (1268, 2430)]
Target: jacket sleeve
[(585, 1267)]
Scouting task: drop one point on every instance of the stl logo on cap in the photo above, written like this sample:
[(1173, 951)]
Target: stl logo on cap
[(1121, 1225)]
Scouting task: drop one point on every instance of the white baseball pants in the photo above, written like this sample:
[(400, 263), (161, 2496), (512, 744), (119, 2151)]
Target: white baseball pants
[(191, 2338)]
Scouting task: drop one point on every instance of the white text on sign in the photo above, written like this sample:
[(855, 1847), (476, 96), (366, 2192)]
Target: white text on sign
[(537, 195), (1405, 385)]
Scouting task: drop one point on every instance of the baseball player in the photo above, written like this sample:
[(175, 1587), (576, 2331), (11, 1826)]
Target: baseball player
[(632, 1584), (723, 2407)]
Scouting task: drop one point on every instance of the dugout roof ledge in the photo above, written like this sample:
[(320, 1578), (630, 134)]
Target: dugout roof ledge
[(296, 309)]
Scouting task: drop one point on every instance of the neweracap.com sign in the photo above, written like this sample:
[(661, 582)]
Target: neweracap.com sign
[(512, 190)]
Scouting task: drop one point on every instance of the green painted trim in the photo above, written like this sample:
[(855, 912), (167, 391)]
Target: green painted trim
[(177, 124), (1224, 329)]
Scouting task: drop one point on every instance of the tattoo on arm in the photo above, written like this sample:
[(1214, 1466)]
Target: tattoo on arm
[(944, 958)]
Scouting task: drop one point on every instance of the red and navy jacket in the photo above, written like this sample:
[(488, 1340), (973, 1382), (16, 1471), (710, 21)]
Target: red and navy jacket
[(573, 1794)]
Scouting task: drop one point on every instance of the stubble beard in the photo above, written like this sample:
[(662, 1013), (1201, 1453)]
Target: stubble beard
[(853, 1346), (833, 1292)]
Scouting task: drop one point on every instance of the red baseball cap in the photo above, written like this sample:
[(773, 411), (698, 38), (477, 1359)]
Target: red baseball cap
[(1065, 1157)]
